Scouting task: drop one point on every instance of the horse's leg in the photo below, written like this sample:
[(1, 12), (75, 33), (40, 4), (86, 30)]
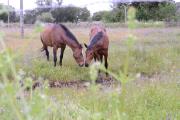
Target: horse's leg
[(106, 62), (55, 55), (61, 55), (47, 52), (95, 58)]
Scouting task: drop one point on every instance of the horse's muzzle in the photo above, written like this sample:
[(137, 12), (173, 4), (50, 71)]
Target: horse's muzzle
[(86, 65), (81, 65)]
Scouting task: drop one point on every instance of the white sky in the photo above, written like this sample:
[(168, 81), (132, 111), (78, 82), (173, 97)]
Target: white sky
[(100, 4)]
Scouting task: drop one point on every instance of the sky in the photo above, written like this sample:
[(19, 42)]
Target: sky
[(100, 4)]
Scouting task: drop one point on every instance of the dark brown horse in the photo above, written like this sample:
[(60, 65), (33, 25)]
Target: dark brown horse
[(98, 46), (58, 36)]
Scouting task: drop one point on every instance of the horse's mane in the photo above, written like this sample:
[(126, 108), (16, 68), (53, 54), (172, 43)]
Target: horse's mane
[(68, 33), (95, 39)]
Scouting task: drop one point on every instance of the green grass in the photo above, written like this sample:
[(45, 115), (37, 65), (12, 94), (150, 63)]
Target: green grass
[(151, 101), (147, 60), (152, 95)]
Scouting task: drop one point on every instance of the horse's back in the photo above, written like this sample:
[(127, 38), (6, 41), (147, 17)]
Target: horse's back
[(95, 29), (52, 35), (104, 41), (46, 35)]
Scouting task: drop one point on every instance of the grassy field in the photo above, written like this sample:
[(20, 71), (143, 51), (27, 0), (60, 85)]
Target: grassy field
[(153, 64), (155, 52)]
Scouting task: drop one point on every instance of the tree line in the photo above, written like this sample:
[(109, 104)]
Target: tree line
[(47, 11), (145, 11), (60, 14)]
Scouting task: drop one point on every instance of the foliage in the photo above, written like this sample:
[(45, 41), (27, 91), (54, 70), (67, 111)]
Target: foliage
[(150, 99), (48, 2), (70, 14), (13, 17), (116, 15), (110, 16), (156, 11), (145, 11), (83, 14), (61, 14), (45, 17), (98, 16), (167, 11), (30, 16)]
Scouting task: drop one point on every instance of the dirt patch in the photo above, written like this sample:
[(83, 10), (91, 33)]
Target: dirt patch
[(101, 80)]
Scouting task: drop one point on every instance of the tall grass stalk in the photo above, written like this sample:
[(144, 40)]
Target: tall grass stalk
[(6, 81)]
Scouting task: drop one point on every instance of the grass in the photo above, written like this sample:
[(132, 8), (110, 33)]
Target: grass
[(152, 101), (141, 24), (152, 61), (147, 59), (151, 54)]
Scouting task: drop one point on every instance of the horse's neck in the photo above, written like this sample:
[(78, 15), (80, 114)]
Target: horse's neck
[(72, 44)]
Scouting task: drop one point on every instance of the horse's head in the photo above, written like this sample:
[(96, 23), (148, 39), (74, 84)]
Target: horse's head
[(89, 55), (78, 56)]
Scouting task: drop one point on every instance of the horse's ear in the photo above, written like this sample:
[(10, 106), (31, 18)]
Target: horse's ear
[(85, 45)]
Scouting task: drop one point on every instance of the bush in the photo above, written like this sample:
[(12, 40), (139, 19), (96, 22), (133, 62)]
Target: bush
[(116, 15), (167, 11), (4, 14), (83, 14), (45, 17), (98, 16), (70, 14), (30, 16)]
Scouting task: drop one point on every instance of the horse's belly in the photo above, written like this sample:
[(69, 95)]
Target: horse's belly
[(48, 43), (58, 43)]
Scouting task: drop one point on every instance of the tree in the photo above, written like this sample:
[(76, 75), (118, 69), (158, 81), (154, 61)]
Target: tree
[(70, 14), (115, 15), (30, 16), (83, 14), (167, 11), (4, 13), (145, 11), (59, 2), (57, 14), (98, 16), (43, 3), (45, 17), (110, 16)]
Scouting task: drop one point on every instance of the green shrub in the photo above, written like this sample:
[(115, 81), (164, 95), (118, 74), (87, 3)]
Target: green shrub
[(45, 17)]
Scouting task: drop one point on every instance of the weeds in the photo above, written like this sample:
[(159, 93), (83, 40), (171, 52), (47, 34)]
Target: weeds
[(150, 100)]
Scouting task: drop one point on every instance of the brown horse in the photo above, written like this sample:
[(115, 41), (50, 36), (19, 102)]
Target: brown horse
[(98, 47), (58, 36)]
